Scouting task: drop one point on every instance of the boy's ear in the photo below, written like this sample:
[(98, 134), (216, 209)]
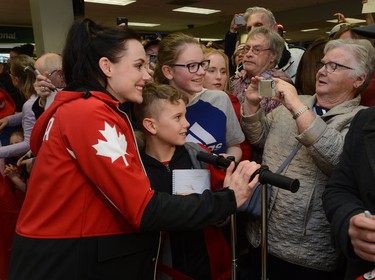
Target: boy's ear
[(149, 125), (105, 66), (167, 71)]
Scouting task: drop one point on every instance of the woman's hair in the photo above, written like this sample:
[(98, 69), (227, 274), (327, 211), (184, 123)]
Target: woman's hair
[(364, 53), (22, 67), (210, 51), (86, 43), (276, 42), (169, 49), (306, 71)]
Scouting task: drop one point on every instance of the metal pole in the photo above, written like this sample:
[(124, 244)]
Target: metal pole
[(233, 235), (264, 231)]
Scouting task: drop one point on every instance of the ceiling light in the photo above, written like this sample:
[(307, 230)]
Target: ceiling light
[(143, 24), (309, 30), (209, 39), (194, 10), (348, 20), (112, 2)]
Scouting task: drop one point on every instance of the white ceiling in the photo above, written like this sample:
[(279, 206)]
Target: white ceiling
[(293, 14)]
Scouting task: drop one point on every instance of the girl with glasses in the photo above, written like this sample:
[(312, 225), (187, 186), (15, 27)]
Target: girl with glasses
[(213, 122)]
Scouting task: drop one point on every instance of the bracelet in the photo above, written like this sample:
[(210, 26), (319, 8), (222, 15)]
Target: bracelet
[(300, 112)]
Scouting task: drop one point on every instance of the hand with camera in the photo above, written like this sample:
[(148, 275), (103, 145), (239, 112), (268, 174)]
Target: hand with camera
[(287, 94), (236, 23), (252, 97)]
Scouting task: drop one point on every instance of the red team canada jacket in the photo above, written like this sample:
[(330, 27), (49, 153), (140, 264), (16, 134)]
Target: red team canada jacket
[(89, 202)]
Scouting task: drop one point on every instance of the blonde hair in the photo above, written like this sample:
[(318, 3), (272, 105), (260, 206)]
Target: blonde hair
[(22, 67), (210, 51), (169, 49)]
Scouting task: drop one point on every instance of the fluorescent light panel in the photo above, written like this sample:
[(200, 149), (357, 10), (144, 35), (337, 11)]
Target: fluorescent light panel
[(209, 39), (309, 30), (143, 24), (112, 2), (194, 10)]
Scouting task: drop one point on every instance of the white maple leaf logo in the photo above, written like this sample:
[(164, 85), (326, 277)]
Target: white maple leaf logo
[(114, 146)]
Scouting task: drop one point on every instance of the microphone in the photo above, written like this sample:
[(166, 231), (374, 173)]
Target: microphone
[(217, 161), (265, 176), (277, 180)]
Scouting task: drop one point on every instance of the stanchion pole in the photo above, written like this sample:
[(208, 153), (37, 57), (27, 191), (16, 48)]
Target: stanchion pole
[(233, 237), (264, 245)]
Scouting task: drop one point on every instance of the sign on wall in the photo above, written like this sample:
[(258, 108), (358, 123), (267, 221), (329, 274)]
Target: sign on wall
[(15, 34)]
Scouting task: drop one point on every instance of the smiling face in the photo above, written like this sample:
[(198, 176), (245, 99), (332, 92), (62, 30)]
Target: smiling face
[(127, 77), (216, 75), (340, 85), (255, 64), (180, 78), (170, 124)]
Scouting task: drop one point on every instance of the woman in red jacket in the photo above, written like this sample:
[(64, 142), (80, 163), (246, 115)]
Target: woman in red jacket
[(89, 212)]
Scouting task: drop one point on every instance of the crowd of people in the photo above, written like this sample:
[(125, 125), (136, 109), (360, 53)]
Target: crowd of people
[(103, 139)]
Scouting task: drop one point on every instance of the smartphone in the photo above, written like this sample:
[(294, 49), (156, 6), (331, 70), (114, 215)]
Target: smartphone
[(239, 20), (120, 20), (266, 88)]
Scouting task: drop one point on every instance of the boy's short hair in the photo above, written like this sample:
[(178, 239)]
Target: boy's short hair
[(152, 93)]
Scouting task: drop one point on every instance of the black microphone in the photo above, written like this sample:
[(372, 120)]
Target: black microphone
[(265, 176), (217, 161), (277, 180)]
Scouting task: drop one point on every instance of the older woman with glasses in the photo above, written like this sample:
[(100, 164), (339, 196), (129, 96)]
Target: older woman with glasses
[(212, 119), (299, 234)]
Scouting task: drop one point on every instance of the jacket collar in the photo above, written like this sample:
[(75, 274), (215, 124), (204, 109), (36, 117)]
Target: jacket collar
[(61, 98)]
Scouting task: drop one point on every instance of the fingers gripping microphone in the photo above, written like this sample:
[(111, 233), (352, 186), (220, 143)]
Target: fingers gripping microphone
[(265, 176)]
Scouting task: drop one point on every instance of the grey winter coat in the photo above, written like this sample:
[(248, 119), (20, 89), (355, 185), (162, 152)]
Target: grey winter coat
[(298, 231)]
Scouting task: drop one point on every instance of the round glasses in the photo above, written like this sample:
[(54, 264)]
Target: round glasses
[(193, 67)]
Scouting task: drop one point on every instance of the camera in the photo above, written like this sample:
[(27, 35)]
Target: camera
[(239, 20), (266, 88)]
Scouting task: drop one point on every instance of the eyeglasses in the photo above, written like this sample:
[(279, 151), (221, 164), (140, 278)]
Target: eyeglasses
[(53, 72), (194, 66), (331, 66), (255, 50)]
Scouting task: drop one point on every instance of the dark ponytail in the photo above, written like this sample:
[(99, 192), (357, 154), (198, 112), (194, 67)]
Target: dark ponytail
[(85, 44)]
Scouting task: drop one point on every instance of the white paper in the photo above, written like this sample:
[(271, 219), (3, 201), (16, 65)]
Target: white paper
[(187, 181)]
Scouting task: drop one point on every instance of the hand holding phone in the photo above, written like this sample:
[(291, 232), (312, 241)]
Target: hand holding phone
[(266, 88), (239, 20)]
